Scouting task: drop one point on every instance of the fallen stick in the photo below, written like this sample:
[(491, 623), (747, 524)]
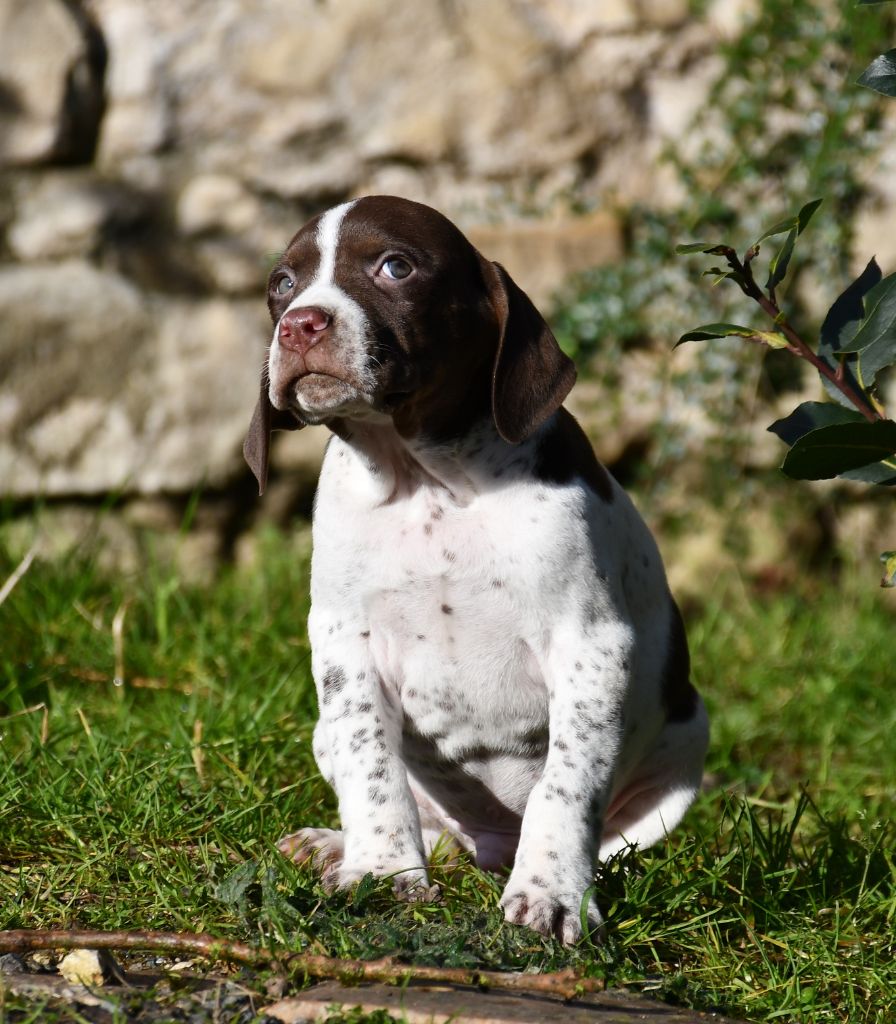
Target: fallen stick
[(565, 984), (25, 940)]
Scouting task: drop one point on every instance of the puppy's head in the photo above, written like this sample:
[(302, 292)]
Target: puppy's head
[(383, 310)]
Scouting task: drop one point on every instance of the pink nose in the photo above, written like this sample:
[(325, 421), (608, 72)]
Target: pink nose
[(303, 327)]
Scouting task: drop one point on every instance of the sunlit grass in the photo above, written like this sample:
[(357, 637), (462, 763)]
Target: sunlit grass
[(155, 803)]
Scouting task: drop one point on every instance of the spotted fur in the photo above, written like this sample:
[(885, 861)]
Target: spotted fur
[(497, 655)]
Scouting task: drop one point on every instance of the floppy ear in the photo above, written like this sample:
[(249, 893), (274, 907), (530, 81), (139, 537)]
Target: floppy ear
[(257, 446), (532, 375)]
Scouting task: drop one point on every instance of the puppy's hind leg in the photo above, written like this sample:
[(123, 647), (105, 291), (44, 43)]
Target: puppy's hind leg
[(443, 838), (660, 790)]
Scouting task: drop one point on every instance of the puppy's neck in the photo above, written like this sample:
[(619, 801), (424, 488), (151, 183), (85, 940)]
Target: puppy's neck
[(400, 466)]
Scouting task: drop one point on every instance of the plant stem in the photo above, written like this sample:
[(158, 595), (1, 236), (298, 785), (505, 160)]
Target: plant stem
[(799, 347)]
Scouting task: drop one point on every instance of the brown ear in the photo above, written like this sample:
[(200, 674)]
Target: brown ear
[(257, 446), (532, 375)]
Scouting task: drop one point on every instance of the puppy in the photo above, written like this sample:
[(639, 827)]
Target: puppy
[(496, 652)]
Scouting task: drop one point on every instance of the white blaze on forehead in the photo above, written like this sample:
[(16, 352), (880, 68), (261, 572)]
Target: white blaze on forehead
[(322, 292), (328, 239), (350, 327)]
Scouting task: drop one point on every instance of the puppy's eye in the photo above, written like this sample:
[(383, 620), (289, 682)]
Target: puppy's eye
[(396, 267), (283, 284)]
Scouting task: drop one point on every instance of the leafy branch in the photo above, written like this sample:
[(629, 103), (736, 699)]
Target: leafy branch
[(880, 75), (741, 272), (852, 436)]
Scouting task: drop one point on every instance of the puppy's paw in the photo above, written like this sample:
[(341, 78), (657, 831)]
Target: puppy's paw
[(410, 884), (550, 912), (414, 887), (321, 848)]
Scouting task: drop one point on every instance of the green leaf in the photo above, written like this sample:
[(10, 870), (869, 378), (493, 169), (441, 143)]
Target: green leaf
[(798, 221), (788, 224), (781, 261), (881, 473), (880, 75), (365, 889), (723, 275), (709, 247), (810, 416), (806, 213), (875, 340), (888, 561), (774, 339), (839, 327), (235, 888), (715, 331), (771, 338), (829, 451), (777, 268)]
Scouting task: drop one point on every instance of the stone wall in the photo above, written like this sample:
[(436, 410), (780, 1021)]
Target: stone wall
[(155, 153)]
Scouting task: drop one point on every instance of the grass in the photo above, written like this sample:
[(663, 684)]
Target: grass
[(155, 803)]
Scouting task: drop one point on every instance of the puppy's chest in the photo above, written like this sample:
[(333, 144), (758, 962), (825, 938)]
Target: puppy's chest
[(445, 581), (449, 597)]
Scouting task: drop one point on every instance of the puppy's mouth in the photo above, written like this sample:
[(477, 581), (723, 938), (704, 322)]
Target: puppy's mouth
[(315, 391), (317, 386)]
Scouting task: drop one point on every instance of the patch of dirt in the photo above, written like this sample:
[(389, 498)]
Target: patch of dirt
[(152, 990)]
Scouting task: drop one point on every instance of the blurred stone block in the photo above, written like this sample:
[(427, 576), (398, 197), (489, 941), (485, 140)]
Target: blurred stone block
[(103, 389), (541, 254), (51, 80)]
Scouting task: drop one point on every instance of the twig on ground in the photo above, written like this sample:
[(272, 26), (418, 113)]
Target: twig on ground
[(565, 984), (18, 573)]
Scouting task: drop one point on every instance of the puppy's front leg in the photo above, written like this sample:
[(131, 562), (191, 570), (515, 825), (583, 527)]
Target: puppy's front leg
[(358, 748), (554, 866)]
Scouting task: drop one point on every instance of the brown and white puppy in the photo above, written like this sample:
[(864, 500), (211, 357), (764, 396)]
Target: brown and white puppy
[(496, 652)]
